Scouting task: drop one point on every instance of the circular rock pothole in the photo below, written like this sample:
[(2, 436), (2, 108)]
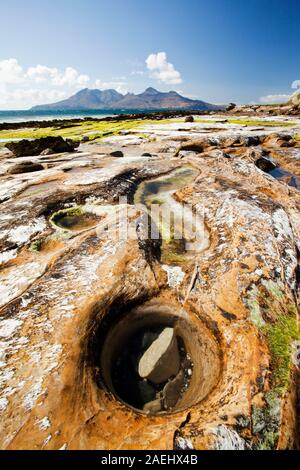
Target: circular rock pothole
[(74, 219), (158, 360)]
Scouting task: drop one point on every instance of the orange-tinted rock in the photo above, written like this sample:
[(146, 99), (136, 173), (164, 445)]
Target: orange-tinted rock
[(61, 290)]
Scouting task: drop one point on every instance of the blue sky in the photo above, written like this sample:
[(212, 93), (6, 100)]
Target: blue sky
[(216, 50)]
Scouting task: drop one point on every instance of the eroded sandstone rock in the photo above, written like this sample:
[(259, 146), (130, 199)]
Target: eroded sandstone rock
[(237, 298)]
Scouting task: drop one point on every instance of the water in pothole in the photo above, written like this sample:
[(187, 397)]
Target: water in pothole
[(182, 230), (283, 175), (74, 219), (156, 358), (269, 166), (153, 370), (149, 191)]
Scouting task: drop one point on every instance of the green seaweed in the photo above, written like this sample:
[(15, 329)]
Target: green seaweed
[(94, 130), (70, 212), (254, 122), (98, 130), (250, 122)]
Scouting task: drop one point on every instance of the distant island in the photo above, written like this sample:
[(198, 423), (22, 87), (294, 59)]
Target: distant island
[(150, 99)]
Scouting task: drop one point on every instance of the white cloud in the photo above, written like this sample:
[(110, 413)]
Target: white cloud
[(275, 99), (163, 70), (296, 84), (21, 88), (69, 76), (120, 86), (10, 71)]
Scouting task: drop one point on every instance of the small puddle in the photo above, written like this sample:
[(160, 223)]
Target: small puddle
[(156, 358), (74, 219), (162, 186), (182, 231), (269, 166), (289, 178)]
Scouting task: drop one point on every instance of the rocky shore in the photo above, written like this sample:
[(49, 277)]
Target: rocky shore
[(79, 304), (292, 109), (155, 116)]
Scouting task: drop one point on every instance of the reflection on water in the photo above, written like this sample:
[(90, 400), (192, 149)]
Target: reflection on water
[(165, 185), (182, 229), (77, 223), (289, 178)]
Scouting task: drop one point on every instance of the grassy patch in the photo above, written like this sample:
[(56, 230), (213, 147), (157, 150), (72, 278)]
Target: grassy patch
[(280, 336), (280, 332)]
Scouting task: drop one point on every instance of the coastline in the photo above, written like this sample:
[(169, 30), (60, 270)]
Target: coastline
[(92, 129), (16, 116), (29, 118), (115, 117), (35, 117)]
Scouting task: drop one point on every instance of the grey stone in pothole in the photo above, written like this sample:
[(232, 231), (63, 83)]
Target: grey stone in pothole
[(153, 407), (173, 390), (161, 361)]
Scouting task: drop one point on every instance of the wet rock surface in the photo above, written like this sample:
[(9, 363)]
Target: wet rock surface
[(235, 299), (150, 373)]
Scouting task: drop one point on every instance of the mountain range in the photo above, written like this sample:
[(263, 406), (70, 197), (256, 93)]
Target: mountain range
[(150, 99)]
